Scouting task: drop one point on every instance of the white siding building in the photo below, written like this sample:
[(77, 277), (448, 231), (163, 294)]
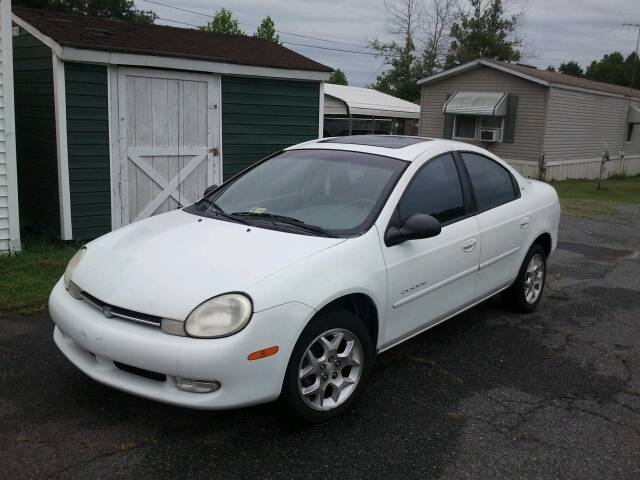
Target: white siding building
[(9, 224), (554, 126)]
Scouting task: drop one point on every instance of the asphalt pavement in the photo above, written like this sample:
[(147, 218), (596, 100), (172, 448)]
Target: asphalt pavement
[(487, 395)]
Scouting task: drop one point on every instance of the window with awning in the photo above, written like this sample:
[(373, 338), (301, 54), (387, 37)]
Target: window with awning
[(480, 116), (477, 104), (634, 115)]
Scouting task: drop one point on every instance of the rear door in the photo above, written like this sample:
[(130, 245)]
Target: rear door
[(429, 279), (502, 220)]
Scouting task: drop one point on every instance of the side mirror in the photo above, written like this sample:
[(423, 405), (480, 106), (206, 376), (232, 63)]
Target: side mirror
[(209, 189), (415, 227)]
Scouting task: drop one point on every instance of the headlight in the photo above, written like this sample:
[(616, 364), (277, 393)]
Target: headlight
[(219, 317), (72, 266)]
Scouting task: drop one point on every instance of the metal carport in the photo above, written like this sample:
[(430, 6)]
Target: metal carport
[(349, 109)]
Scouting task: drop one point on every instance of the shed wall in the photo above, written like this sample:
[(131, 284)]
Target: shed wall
[(529, 130), (36, 134), (88, 145), (4, 190), (261, 116), (9, 221)]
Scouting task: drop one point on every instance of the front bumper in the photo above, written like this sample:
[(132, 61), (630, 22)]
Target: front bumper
[(93, 343)]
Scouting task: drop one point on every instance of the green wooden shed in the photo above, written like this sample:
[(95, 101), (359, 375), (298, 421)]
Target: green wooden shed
[(118, 121)]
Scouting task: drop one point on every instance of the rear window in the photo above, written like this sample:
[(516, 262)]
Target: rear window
[(492, 183)]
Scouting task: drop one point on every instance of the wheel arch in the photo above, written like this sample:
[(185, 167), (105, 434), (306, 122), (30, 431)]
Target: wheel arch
[(546, 242), (362, 306)]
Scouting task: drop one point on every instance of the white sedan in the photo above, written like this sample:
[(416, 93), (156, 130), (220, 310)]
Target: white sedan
[(287, 280)]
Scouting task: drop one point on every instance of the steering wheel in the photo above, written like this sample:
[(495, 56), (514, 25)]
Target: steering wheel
[(364, 203)]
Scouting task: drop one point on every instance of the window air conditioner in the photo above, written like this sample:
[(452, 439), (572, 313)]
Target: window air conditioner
[(489, 135)]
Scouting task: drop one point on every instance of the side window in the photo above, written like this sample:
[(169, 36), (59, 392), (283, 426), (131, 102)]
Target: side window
[(491, 183), (435, 190)]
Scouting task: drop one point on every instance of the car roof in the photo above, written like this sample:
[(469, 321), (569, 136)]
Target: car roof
[(406, 148)]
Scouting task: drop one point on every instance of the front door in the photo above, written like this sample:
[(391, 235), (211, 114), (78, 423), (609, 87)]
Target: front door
[(168, 138), (430, 279)]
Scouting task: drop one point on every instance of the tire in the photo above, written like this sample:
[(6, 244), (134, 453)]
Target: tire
[(524, 295), (334, 356)]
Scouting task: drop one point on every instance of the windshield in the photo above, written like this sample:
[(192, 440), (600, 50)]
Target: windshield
[(337, 191)]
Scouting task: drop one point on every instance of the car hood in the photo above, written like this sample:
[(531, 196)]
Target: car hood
[(167, 265)]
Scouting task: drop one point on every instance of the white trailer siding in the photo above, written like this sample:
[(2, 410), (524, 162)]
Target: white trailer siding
[(9, 226), (570, 125), (579, 124)]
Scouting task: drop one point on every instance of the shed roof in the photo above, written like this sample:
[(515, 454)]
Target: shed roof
[(366, 101), (543, 77), (93, 33)]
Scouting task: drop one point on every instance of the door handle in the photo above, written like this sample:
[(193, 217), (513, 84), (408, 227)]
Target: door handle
[(524, 223), (469, 245)]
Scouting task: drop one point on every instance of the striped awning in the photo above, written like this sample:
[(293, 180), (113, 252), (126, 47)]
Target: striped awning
[(476, 103), (634, 115)]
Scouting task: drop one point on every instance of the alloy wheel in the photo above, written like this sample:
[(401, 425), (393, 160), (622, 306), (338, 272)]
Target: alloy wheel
[(533, 279), (330, 369)]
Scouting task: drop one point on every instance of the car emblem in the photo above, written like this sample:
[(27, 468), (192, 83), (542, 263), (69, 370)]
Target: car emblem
[(107, 312)]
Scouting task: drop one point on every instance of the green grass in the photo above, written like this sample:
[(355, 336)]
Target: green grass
[(581, 198), (27, 278)]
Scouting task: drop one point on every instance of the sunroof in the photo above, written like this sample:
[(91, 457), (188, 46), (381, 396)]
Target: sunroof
[(386, 141)]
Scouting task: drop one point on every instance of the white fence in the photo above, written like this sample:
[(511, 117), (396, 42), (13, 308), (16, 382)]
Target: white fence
[(585, 168)]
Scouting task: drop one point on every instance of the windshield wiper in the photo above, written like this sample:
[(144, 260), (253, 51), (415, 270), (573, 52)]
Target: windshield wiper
[(289, 221), (216, 210), (269, 215), (230, 217)]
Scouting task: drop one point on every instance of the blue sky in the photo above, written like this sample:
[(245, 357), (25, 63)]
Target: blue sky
[(557, 30)]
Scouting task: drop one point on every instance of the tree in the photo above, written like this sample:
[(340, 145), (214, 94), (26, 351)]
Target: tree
[(223, 22), (403, 20), (116, 9), (550, 68), (419, 45), (438, 18), (267, 30), (338, 77), (633, 60), (614, 68), (485, 31), (571, 68)]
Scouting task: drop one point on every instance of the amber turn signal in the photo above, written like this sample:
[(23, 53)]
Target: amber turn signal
[(267, 352)]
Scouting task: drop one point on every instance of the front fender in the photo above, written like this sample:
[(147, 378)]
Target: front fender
[(354, 266)]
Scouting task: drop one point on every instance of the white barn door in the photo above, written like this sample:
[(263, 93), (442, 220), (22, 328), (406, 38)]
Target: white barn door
[(167, 127)]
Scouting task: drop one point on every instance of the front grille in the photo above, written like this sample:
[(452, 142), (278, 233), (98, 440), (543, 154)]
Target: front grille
[(271, 226), (113, 311), (158, 377)]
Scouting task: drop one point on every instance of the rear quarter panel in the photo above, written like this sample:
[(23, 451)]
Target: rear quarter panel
[(544, 210)]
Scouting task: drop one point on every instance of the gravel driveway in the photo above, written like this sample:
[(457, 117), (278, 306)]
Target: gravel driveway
[(488, 394)]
